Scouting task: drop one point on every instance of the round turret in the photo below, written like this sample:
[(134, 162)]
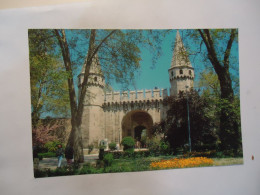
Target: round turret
[(181, 72)]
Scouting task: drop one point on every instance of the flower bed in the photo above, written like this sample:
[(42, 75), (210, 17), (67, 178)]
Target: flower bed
[(182, 163)]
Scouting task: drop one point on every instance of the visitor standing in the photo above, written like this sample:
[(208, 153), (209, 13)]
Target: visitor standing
[(59, 154), (69, 155), (35, 157)]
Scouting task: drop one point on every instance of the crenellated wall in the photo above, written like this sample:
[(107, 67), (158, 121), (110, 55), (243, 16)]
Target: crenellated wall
[(136, 96)]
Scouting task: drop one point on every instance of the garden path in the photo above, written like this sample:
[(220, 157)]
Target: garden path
[(51, 163)]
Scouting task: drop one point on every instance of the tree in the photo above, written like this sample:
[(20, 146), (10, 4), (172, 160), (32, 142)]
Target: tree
[(175, 127), (218, 50), (119, 53), (48, 77), (218, 45), (43, 134)]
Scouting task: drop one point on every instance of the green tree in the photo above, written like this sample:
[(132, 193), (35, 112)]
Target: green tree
[(47, 77), (218, 48), (175, 127)]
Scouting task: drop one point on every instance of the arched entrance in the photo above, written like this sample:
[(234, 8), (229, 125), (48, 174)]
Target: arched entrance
[(139, 132), (136, 124)]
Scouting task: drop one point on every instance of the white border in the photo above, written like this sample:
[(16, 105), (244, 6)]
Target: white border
[(16, 174)]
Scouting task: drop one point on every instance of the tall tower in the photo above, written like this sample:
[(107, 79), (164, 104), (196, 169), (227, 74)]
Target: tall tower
[(92, 120), (181, 73)]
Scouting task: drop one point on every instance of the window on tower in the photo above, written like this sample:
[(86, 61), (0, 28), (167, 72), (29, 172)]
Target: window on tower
[(172, 73), (95, 79), (181, 71), (189, 72)]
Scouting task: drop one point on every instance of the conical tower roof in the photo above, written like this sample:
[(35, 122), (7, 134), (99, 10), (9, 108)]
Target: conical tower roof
[(95, 67), (180, 56)]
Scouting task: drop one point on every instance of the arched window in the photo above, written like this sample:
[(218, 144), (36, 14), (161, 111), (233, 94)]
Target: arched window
[(189, 72), (95, 78), (181, 71)]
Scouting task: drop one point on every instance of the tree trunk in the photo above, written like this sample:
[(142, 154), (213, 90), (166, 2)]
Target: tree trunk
[(75, 137), (229, 128)]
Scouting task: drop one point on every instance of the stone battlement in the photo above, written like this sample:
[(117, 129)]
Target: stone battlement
[(139, 95)]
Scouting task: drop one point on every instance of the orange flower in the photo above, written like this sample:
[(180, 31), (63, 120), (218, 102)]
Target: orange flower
[(182, 162)]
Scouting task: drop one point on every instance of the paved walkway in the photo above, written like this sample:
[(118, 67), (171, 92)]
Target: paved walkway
[(52, 162)]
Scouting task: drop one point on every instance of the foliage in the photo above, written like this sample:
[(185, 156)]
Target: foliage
[(61, 171), (108, 159), (164, 147), (51, 146), (209, 83), (43, 134), (221, 51), (122, 155), (88, 169), (208, 154), (112, 146), (137, 164), (153, 144), (175, 127), (47, 155), (182, 163), (128, 143), (49, 89)]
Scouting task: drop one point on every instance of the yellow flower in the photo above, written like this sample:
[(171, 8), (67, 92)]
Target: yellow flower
[(182, 162)]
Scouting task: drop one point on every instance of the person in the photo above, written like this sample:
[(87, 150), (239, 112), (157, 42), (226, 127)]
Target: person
[(69, 155), (35, 157), (59, 154)]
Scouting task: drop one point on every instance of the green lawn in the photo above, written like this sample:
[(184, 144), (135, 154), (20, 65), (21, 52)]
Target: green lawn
[(123, 165)]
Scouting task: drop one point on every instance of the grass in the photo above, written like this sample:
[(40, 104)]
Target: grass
[(126, 165), (227, 161)]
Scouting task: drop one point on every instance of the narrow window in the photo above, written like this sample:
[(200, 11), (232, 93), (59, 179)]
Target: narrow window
[(181, 71), (189, 72), (95, 79), (172, 73)]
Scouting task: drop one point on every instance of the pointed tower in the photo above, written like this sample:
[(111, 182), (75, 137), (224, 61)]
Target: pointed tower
[(181, 73), (92, 120)]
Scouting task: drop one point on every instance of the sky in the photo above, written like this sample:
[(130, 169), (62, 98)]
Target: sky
[(150, 76)]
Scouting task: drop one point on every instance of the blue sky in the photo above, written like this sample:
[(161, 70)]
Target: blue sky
[(149, 75)]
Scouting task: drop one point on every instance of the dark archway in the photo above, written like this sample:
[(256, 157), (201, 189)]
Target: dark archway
[(135, 122), (139, 130)]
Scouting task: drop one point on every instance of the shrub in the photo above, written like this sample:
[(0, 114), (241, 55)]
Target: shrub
[(129, 153), (57, 172), (153, 145), (51, 146), (128, 143), (164, 147), (108, 159), (46, 155), (112, 146), (135, 154)]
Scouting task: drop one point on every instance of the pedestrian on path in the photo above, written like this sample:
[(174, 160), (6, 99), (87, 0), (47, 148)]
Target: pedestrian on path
[(35, 157), (69, 155), (59, 154)]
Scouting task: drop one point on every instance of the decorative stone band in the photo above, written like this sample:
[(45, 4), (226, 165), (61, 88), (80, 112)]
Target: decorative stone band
[(133, 105), (135, 96), (182, 77)]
